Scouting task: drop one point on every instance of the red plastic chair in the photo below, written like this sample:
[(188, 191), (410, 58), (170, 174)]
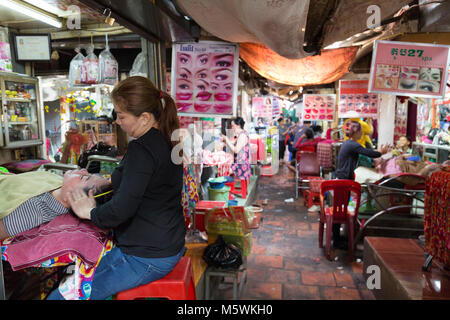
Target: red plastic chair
[(306, 166), (311, 196), (339, 212), (177, 285), (416, 182)]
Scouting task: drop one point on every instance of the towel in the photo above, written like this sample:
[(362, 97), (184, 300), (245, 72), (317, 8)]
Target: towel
[(64, 234), (16, 189)]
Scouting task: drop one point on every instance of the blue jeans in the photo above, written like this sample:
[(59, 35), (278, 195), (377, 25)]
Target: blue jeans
[(118, 271)]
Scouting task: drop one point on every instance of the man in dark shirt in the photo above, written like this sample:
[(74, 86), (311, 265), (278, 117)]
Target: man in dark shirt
[(347, 163), (348, 158)]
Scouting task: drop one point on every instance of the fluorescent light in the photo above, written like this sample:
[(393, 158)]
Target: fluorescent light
[(32, 13), (48, 7)]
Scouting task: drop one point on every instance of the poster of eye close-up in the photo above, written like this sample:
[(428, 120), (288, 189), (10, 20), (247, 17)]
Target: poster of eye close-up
[(204, 78)]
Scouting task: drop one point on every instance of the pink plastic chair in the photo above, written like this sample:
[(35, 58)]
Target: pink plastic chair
[(339, 212)]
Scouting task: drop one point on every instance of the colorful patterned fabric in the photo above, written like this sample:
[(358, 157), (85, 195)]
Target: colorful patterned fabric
[(64, 240), (189, 197), (437, 216), (78, 285), (242, 167)]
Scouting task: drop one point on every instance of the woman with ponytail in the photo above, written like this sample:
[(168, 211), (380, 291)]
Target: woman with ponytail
[(145, 211)]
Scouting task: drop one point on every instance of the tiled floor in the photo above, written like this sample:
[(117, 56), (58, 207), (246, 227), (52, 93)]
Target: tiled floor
[(286, 262)]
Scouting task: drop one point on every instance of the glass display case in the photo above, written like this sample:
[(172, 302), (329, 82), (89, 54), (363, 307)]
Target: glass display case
[(20, 117)]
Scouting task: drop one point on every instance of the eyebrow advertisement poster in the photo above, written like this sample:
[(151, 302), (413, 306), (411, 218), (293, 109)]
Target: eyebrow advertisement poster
[(205, 78), (355, 101), (409, 69), (319, 107)]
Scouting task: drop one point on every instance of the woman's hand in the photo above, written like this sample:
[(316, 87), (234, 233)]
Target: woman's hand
[(81, 203)]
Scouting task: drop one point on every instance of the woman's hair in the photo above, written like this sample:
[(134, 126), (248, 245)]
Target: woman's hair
[(309, 134), (101, 191), (239, 121), (351, 128), (317, 129), (137, 95)]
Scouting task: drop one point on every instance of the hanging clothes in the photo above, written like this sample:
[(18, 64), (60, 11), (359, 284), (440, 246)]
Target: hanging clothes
[(189, 197), (437, 216)]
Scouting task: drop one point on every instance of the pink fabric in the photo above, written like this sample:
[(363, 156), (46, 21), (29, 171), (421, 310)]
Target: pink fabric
[(261, 155), (325, 154), (391, 167), (64, 234), (308, 143), (217, 158)]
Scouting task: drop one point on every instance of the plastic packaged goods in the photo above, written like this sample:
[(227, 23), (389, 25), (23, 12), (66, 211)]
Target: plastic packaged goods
[(89, 70), (75, 68), (139, 67), (5, 51), (108, 66)]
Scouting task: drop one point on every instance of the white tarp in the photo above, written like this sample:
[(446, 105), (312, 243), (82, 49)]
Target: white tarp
[(279, 25), (355, 16)]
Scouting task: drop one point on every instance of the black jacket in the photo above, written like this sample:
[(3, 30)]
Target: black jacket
[(145, 211), (348, 158)]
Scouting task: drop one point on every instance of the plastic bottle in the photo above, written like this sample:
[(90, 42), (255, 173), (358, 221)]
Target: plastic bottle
[(351, 205)]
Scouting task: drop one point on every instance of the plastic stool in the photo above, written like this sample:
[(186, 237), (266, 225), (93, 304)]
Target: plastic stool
[(243, 190), (231, 185), (177, 285), (238, 286)]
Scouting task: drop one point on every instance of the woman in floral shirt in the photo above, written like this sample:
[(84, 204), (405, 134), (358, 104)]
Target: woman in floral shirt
[(241, 148)]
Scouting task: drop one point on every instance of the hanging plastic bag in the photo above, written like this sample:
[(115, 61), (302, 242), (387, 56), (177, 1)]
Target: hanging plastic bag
[(108, 66), (222, 255), (139, 67), (5, 51), (75, 68), (89, 69)]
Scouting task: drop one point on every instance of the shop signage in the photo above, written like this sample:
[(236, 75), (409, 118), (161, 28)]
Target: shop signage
[(265, 107), (319, 107), (205, 78), (409, 69), (355, 101)]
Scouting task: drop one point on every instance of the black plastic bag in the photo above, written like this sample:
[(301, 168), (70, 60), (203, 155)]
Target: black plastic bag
[(222, 255), (100, 148)]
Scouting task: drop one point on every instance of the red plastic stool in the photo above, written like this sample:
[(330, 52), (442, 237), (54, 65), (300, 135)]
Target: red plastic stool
[(243, 190), (311, 196), (232, 190), (177, 285)]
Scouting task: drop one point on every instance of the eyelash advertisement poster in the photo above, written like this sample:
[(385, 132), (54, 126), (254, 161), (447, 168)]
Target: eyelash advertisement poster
[(319, 107), (205, 78), (409, 69), (355, 100)]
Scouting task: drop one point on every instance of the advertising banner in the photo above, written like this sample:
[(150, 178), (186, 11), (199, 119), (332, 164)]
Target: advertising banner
[(409, 69), (265, 107), (355, 101), (319, 107), (205, 78)]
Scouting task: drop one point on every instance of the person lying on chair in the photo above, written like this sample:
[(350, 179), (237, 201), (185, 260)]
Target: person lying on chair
[(30, 199)]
